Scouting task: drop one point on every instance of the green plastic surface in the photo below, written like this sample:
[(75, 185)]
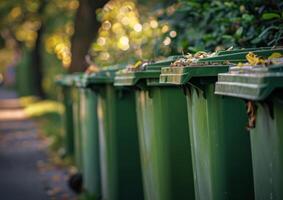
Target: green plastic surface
[(77, 128), (263, 85), (181, 75), (222, 170), (118, 140), (241, 56), (104, 76), (267, 148), (224, 52), (118, 144), (119, 162), (71, 97), (220, 147), (90, 144), (255, 83), (148, 76), (68, 80), (68, 128), (164, 144)]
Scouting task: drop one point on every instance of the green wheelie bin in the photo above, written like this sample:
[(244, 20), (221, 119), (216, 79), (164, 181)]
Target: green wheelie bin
[(88, 123), (76, 94), (64, 83), (242, 50), (118, 138), (262, 89), (162, 123), (239, 55), (69, 94), (220, 143)]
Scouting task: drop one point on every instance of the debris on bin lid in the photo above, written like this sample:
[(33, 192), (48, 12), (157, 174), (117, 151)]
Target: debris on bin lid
[(143, 72), (239, 50), (138, 66), (257, 61), (192, 59), (240, 55), (274, 58), (250, 82), (92, 69), (67, 79), (101, 75)]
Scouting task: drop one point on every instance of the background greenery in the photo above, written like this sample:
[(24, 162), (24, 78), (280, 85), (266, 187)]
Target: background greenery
[(210, 25), (36, 39), (130, 30)]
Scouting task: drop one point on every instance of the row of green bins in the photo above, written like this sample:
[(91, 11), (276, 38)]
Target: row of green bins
[(64, 83), (237, 56), (162, 123), (262, 89), (120, 169), (221, 153), (220, 145), (70, 97), (243, 50), (88, 139), (76, 94)]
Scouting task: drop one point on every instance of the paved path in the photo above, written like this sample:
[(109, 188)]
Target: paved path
[(25, 171)]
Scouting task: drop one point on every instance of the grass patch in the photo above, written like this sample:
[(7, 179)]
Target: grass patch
[(28, 100), (48, 115), (51, 126)]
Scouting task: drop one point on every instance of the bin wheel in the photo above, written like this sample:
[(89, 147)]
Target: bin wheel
[(75, 182)]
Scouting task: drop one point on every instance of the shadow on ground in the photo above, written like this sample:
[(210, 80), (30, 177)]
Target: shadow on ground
[(25, 168)]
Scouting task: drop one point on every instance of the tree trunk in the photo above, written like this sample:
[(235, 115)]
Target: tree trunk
[(37, 65), (86, 29)]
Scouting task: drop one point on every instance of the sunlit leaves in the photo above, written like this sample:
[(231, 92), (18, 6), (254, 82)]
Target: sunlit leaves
[(58, 43), (125, 33), (24, 19), (6, 57), (269, 16), (27, 32), (219, 24), (59, 17), (15, 12)]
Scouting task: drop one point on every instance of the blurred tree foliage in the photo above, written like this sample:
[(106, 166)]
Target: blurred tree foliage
[(40, 30), (126, 35), (131, 30), (219, 24)]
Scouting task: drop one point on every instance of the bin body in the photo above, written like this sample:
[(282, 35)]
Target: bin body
[(164, 143), (76, 93), (220, 144), (267, 149), (163, 133), (118, 141), (90, 144), (65, 84), (261, 86), (65, 98)]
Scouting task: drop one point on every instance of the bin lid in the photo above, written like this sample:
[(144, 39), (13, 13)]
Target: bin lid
[(212, 67), (67, 80), (250, 82), (225, 52), (104, 76), (148, 72), (182, 75), (237, 57)]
